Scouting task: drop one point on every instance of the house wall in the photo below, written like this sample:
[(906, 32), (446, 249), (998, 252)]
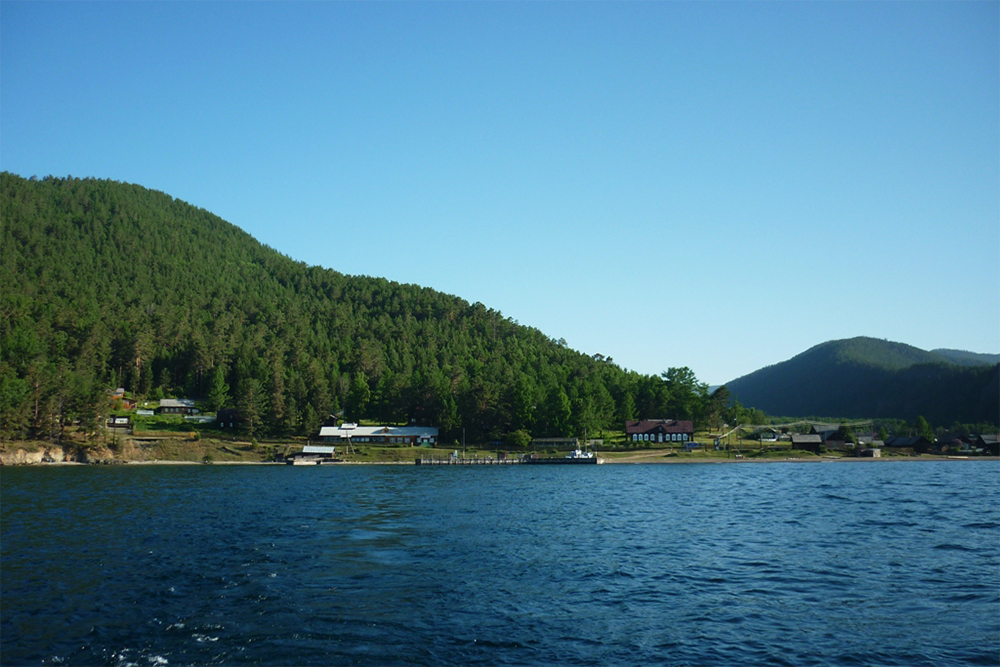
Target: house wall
[(662, 437)]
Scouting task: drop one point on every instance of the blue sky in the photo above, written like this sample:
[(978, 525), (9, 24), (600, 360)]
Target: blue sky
[(713, 185)]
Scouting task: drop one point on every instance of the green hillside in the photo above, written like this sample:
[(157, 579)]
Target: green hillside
[(108, 284), (867, 377)]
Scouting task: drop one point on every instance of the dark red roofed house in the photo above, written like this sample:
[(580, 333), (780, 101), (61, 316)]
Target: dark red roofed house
[(659, 430)]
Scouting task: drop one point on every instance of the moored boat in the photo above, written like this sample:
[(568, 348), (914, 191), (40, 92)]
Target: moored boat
[(576, 457)]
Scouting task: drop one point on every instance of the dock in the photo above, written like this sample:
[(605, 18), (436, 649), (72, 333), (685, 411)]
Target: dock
[(472, 461)]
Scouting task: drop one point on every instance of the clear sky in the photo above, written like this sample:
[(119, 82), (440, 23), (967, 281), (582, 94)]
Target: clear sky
[(714, 185)]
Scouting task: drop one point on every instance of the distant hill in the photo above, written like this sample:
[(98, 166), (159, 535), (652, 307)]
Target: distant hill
[(867, 377), (964, 358)]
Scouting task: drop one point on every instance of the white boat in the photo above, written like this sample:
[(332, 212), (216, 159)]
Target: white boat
[(580, 454)]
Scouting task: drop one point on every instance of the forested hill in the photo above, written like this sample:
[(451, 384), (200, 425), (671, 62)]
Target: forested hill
[(968, 358), (107, 284), (867, 377)]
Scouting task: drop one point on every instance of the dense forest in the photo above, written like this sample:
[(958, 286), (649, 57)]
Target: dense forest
[(866, 377), (108, 284)]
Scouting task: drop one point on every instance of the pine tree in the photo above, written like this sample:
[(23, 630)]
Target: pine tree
[(358, 398), (310, 421), (218, 394), (251, 401)]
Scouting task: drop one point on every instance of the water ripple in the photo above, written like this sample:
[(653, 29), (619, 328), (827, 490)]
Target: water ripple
[(677, 565)]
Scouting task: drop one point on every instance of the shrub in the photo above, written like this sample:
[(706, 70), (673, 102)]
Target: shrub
[(519, 439)]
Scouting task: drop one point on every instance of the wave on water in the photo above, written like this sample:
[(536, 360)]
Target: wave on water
[(398, 565)]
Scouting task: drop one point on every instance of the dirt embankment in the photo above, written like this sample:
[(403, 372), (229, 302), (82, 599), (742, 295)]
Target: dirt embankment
[(40, 453), (127, 450), (11, 455)]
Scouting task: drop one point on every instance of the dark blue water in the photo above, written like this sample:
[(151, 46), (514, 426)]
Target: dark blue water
[(868, 563)]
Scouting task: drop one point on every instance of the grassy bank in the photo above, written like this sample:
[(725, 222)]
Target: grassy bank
[(174, 440)]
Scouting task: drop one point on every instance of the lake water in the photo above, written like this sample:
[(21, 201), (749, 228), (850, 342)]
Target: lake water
[(860, 563)]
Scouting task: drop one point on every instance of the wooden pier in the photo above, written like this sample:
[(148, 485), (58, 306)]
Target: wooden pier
[(474, 461)]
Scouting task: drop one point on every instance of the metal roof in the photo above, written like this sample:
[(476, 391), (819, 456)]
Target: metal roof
[(318, 449), (177, 403), (658, 425), (362, 431)]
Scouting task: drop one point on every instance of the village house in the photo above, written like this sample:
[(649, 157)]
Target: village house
[(313, 454), (989, 444), (811, 442), (381, 435), (919, 444), (118, 396), (228, 418), (659, 430), (177, 406)]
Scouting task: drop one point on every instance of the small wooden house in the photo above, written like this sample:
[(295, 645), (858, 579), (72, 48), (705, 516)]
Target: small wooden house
[(919, 444), (177, 406), (989, 444), (809, 443), (228, 418)]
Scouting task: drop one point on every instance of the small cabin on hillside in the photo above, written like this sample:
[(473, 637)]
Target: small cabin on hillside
[(177, 406), (228, 418)]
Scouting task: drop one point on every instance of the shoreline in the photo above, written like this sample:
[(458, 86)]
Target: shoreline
[(654, 459), (637, 460)]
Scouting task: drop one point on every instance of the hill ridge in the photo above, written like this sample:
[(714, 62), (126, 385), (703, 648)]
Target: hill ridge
[(870, 377)]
